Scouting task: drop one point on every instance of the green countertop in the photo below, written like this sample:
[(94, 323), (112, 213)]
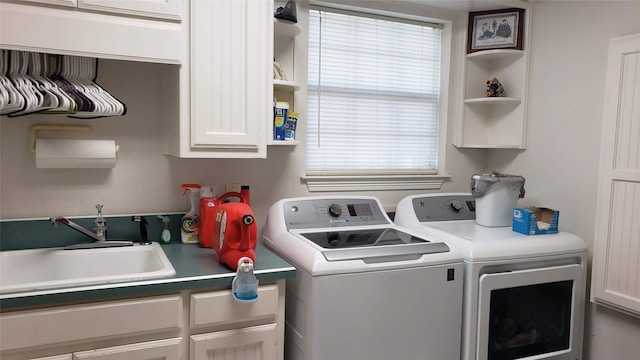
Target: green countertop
[(196, 268)]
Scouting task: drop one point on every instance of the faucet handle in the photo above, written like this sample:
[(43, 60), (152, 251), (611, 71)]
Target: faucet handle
[(100, 224)]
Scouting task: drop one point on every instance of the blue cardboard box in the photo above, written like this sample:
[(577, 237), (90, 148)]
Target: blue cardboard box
[(535, 220), (280, 119)]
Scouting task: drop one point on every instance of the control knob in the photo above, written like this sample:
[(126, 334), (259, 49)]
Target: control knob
[(456, 205), (335, 210)]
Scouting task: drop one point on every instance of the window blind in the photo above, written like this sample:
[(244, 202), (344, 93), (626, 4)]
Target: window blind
[(373, 94)]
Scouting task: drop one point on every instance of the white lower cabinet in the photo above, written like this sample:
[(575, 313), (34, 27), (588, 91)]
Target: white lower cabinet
[(252, 343), (188, 325), (168, 349)]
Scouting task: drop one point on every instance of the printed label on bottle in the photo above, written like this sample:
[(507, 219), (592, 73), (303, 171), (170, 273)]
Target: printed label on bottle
[(189, 227)]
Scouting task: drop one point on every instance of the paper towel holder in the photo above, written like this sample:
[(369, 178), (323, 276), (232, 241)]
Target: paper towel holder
[(33, 132)]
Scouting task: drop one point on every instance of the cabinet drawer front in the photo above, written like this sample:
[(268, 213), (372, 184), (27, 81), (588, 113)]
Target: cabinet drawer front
[(33, 328), (219, 307), (57, 357), (168, 349)]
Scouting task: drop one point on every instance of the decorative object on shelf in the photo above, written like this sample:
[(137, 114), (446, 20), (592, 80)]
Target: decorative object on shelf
[(496, 29), (288, 12), (278, 71), (494, 88)]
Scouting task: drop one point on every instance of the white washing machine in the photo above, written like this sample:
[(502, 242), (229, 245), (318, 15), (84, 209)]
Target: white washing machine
[(365, 288), (523, 295)]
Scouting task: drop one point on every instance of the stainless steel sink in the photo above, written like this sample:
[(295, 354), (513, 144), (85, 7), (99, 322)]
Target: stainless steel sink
[(35, 269)]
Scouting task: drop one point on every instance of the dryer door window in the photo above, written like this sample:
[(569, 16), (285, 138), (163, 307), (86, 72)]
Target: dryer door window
[(529, 313)]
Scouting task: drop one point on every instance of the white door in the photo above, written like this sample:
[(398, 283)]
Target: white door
[(616, 264), (533, 312), (252, 343)]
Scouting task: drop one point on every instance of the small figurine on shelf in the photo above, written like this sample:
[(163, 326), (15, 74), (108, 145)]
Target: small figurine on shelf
[(278, 71), (494, 88)]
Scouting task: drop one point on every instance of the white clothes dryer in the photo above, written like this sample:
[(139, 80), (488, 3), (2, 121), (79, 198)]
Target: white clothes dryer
[(365, 288), (523, 295)]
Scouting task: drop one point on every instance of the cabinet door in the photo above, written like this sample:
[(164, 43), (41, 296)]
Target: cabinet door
[(165, 9), (168, 349), (231, 76), (70, 3), (252, 343)]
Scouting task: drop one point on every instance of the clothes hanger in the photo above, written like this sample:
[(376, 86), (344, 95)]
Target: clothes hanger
[(41, 72), (49, 98), (60, 77), (21, 85), (106, 104), (15, 98)]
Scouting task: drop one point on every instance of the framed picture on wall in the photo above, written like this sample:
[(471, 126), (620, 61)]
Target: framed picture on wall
[(496, 29)]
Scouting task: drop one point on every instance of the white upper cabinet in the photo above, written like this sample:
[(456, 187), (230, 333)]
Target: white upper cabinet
[(151, 31), (164, 9), (495, 122), (226, 89)]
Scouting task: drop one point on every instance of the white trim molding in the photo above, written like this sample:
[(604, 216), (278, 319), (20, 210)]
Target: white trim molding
[(317, 183)]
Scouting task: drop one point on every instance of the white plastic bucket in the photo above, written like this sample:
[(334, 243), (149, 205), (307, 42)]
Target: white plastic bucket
[(495, 208)]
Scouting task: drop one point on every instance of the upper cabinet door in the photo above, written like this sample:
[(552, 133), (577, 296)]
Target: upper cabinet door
[(231, 51), (164, 9)]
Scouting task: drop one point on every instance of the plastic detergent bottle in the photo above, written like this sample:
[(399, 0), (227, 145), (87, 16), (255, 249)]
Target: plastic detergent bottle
[(189, 222), (208, 207), (244, 286)]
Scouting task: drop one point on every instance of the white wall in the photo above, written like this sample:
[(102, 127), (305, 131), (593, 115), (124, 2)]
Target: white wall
[(569, 54)]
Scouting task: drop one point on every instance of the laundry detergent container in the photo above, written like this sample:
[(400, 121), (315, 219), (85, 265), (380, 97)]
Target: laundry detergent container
[(496, 195)]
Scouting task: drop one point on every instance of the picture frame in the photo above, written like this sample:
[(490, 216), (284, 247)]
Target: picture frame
[(495, 29)]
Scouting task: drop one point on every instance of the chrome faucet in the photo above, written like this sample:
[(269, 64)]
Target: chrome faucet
[(100, 224), (62, 220), (99, 237)]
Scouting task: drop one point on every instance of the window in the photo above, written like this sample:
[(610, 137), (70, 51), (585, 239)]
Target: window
[(374, 103)]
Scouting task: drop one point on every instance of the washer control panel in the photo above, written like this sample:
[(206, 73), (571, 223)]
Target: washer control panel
[(445, 207), (339, 212)]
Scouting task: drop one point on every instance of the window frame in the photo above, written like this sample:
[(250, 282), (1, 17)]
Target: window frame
[(323, 181)]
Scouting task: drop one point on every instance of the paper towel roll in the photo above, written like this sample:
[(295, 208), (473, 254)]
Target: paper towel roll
[(75, 154)]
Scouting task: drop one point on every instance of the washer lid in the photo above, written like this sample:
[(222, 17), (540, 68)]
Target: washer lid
[(372, 243)]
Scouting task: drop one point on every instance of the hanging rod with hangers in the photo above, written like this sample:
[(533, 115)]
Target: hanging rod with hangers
[(43, 83)]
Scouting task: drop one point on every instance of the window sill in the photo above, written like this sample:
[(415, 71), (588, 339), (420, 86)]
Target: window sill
[(373, 182)]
